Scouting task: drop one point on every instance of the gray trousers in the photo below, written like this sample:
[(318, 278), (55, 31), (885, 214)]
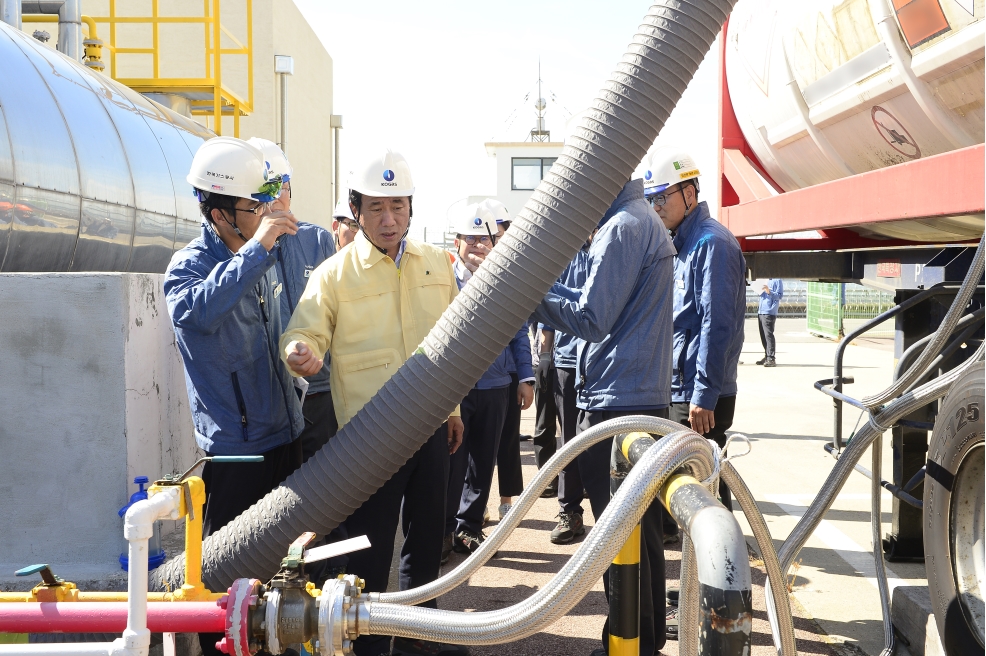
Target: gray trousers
[(767, 322)]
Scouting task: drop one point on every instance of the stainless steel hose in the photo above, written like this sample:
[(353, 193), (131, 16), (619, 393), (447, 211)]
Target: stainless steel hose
[(877, 425), (945, 329), (574, 580), (778, 600), (876, 528), (547, 473)]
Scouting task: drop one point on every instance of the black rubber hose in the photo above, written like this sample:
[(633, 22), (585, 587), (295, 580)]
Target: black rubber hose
[(611, 140)]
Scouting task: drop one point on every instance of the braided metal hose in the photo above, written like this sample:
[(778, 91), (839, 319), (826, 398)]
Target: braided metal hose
[(532, 493), (573, 582)]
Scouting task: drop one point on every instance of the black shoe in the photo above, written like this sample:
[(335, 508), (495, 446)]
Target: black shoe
[(599, 651), (551, 491), (761, 360), (448, 542), (672, 538), (771, 362), (569, 526), (408, 647), (526, 438), (673, 595), (671, 623), (467, 542)]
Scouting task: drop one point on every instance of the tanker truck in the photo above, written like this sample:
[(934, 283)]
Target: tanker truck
[(860, 124)]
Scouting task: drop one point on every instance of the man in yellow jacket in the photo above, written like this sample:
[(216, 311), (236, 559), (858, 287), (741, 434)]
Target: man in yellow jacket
[(370, 306)]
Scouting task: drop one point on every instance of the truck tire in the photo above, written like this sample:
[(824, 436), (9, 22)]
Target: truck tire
[(954, 516)]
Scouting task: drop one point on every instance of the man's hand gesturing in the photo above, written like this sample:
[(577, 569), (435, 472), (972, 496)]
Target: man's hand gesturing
[(302, 360)]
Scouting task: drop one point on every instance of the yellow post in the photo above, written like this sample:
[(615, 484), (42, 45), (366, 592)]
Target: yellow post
[(217, 99), (624, 598)]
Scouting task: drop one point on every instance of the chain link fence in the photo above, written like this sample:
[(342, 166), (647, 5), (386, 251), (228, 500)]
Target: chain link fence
[(830, 309)]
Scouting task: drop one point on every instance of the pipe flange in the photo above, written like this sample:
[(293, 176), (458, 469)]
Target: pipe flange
[(242, 595), (332, 606), (273, 598)]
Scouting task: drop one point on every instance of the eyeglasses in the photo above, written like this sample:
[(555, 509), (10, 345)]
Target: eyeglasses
[(471, 240), (660, 200), (259, 210), (349, 223)]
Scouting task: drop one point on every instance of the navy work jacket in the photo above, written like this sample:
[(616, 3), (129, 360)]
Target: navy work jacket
[(623, 311), (225, 308), (709, 310)]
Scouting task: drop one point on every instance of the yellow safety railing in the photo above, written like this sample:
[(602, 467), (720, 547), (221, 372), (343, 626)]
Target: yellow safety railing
[(208, 95)]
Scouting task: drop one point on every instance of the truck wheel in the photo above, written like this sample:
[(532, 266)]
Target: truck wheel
[(954, 516)]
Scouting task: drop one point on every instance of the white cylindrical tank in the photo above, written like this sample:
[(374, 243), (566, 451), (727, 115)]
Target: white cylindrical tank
[(824, 89), (92, 174)]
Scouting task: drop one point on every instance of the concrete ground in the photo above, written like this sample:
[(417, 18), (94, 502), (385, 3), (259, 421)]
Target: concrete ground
[(835, 600)]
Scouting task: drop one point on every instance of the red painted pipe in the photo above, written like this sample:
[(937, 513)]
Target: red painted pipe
[(111, 617)]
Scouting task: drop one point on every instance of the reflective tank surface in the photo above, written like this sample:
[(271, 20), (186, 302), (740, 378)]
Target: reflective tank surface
[(92, 174), (825, 89)]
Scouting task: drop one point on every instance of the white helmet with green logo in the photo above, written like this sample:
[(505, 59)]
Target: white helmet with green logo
[(669, 167)]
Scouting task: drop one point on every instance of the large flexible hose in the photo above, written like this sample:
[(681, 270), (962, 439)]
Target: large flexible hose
[(611, 140), (576, 577), (952, 317), (532, 493)]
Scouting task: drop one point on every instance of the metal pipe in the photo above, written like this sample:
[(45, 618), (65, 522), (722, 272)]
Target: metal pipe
[(10, 12), (531, 494), (778, 600), (110, 617), (877, 424), (69, 23), (955, 312), (876, 528), (284, 114), (552, 601), (912, 351), (725, 585)]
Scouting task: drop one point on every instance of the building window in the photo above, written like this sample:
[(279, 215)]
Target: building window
[(527, 172)]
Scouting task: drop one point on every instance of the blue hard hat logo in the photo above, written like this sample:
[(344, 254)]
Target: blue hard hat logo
[(648, 175), (388, 175), (477, 221)]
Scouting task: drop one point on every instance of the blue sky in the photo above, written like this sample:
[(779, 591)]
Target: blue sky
[(436, 80)]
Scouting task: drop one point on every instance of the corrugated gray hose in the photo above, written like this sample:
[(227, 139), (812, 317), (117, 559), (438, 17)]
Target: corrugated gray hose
[(611, 140), (576, 577)]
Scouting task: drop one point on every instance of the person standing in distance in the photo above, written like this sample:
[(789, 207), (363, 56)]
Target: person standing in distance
[(297, 257), (223, 296), (709, 301), (344, 226), (370, 307), (770, 300)]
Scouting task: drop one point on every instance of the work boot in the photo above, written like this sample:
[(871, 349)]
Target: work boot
[(448, 542), (409, 647), (762, 360), (467, 542), (503, 510), (771, 362), (671, 623), (569, 526), (551, 491)]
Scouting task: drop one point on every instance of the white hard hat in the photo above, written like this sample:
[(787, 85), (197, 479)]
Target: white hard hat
[(668, 167), (232, 167), (277, 161), (498, 209), (476, 219), (386, 175), (343, 210)]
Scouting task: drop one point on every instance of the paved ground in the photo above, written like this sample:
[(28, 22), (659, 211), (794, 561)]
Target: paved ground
[(836, 603)]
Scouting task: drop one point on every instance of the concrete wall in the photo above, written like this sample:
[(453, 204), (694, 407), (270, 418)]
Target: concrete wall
[(504, 152), (94, 394)]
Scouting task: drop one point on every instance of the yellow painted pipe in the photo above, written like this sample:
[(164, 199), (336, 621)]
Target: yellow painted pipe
[(53, 18)]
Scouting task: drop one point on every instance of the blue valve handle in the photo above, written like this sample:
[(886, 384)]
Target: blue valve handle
[(237, 458), (30, 569)]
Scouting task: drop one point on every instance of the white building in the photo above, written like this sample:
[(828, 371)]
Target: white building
[(520, 166)]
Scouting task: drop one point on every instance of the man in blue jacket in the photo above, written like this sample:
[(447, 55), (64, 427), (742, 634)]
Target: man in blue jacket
[(623, 314), (770, 300), (709, 302), (297, 256), (484, 409), (223, 297)]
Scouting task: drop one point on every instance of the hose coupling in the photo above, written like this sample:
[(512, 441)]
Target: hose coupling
[(341, 613)]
